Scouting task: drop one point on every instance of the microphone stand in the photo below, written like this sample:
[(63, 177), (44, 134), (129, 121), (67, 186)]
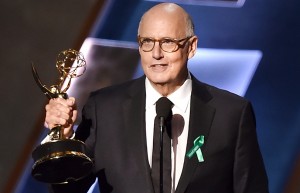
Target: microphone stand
[(163, 109), (162, 129)]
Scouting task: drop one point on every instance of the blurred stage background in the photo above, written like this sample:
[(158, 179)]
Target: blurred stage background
[(261, 36)]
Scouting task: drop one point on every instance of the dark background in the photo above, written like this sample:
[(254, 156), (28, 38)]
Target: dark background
[(37, 30)]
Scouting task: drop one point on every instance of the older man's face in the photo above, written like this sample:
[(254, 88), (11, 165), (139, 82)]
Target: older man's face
[(159, 66)]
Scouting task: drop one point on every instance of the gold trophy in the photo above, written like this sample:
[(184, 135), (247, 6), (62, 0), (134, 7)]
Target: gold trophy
[(61, 160)]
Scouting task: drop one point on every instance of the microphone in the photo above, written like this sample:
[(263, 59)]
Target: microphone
[(163, 110)]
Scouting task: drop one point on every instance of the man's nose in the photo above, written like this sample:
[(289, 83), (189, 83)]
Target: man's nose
[(157, 52)]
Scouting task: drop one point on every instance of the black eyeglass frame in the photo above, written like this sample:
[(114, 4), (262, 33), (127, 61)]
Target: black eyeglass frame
[(160, 42)]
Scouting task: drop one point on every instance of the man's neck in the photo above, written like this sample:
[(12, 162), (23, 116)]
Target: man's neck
[(168, 88)]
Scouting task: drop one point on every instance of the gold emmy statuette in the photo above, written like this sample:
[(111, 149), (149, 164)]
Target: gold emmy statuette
[(61, 160)]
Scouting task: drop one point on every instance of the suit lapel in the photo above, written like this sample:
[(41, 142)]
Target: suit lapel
[(201, 117), (134, 119)]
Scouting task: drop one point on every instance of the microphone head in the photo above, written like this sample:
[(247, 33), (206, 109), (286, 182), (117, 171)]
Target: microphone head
[(163, 107)]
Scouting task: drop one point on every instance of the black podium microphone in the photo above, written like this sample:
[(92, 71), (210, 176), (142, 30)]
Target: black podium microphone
[(163, 111)]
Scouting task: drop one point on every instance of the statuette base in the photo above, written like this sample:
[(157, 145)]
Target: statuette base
[(61, 161)]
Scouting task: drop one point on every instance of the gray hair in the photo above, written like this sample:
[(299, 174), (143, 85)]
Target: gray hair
[(189, 26)]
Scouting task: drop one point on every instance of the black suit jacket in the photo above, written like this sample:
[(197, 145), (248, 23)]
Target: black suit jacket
[(113, 128)]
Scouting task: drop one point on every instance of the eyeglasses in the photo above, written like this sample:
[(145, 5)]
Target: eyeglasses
[(166, 44)]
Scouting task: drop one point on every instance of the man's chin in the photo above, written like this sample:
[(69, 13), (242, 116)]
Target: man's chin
[(158, 79)]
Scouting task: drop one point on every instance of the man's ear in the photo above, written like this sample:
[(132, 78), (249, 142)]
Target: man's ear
[(192, 46)]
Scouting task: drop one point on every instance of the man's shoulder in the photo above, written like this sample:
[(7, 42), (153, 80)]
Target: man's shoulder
[(215, 94)]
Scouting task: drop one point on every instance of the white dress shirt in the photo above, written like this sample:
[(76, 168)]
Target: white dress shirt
[(180, 124)]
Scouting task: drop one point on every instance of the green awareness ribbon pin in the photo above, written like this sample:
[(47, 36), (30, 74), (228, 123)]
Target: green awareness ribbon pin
[(199, 141)]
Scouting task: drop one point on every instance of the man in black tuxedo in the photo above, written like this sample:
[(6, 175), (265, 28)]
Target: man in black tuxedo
[(118, 121)]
